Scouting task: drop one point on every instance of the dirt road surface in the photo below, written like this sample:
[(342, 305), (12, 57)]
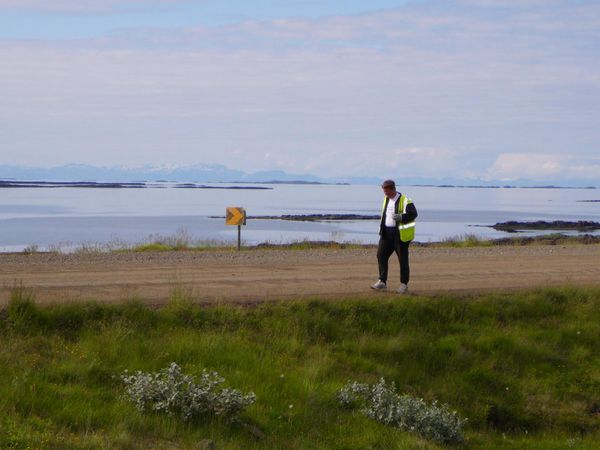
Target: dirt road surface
[(260, 275)]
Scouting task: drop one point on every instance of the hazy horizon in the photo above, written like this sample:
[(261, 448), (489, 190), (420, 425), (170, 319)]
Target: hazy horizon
[(73, 173)]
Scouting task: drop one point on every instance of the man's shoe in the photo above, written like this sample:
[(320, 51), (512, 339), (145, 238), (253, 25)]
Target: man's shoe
[(379, 286), (403, 289)]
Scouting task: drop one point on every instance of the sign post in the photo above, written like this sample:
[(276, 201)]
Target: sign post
[(236, 215)]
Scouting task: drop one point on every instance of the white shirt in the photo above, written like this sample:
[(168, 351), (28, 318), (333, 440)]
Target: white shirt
[(390, 211)]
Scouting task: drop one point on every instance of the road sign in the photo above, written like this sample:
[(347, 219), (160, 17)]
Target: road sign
[(235, 215)]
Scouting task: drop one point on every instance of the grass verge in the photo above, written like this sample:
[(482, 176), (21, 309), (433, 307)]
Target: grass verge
[(182, 241), (473, 240), (523, 368)]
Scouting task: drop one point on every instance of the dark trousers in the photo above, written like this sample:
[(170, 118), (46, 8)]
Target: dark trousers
[(390, 242)]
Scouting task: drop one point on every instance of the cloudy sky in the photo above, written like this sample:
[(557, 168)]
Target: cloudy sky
[(473, 89)]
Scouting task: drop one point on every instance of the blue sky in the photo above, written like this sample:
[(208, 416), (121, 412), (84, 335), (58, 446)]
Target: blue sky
[(77, 19), (470, 89)]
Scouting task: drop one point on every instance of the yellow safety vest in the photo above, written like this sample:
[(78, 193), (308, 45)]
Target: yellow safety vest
[(407, 230)]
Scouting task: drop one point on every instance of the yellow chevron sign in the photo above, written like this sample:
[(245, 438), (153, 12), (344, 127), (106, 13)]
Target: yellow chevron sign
[(235, 215)]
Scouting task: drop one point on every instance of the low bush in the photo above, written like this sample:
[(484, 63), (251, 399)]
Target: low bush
[(174, 393), (380, 402)]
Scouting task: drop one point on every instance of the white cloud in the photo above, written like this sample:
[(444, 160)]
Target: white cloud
[(589, 170), (526, 165), (513, 166), (406, 162)]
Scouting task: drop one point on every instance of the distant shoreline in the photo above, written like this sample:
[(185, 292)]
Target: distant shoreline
[(161, 184), (111, 185), (502, 187)]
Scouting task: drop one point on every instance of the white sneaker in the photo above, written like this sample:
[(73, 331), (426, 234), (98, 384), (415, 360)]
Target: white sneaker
[(379, 286), (403, 289)]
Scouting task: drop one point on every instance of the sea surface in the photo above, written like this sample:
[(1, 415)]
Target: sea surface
[(67, 218)]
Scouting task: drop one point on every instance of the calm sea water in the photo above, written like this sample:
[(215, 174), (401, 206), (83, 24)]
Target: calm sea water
[(68, 217)]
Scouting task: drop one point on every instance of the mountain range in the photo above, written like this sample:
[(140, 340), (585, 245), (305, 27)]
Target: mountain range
[(216, 173), (207, 173)]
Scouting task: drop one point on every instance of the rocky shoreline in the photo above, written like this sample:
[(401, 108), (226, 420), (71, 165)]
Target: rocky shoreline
[(312, 217), (319, 217), (559, 225)]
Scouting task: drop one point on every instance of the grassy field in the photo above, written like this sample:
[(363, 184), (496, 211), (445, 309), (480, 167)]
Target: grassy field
[(181, 242), (523, 368)]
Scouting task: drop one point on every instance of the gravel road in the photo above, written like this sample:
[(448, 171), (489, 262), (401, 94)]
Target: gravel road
[(279, 274)]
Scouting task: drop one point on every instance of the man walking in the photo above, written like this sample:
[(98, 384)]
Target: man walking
[(396, 231)]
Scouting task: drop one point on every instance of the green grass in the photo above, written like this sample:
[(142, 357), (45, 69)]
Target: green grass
[(229, 246), (461, 241), (182, 241), (306, 244), (523, 368), (466, 240), (473, 240)]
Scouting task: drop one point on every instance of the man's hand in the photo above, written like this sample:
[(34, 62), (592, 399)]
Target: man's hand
[(397, 217)]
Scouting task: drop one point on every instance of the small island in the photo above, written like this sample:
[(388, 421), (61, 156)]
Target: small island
[(313, 217), (70, 184), (203, 186), (321, 217), (514, 226), (114, 185)]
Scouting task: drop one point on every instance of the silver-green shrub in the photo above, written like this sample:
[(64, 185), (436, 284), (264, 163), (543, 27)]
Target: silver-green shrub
[(174, 393), (380, 402)]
